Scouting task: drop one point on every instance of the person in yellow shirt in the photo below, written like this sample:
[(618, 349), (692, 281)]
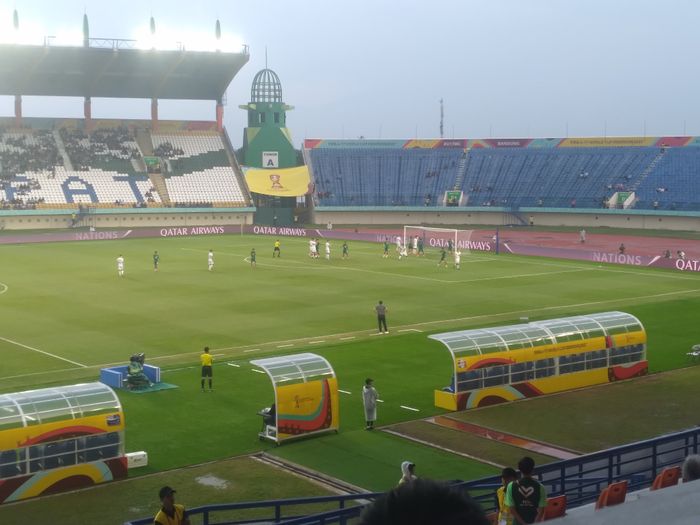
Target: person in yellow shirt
[(276, 249), (170, 513), (504, 516), (206, 360)]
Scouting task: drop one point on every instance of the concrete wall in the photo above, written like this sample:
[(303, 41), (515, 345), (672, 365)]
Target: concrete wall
[(112, 220), (588, 219)]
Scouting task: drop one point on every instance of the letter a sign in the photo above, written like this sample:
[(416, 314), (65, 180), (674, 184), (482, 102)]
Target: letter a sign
[(270, 159)]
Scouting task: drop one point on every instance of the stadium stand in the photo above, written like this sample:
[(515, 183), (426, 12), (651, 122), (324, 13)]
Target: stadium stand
[(674, 183), (199, 171), (108, 149), (378, 177), (61, 187), (27, 150)]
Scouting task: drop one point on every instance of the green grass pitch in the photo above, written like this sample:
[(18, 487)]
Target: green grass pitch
[(65, 313)]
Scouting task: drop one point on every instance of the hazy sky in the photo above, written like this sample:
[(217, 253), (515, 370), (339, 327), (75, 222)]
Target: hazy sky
[(505, 68)]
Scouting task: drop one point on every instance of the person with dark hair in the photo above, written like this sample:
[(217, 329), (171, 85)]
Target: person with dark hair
[(507, 476), (424, 502), (526, 498), (206, 359), (408, 472), (171, 513), (691, 468), (369, 400), (381, 317)]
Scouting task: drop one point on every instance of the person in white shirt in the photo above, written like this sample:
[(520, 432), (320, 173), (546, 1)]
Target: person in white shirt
[(458, 259), (398, 243), (415, 245), (120, 266), (210, 260), (328, 250)]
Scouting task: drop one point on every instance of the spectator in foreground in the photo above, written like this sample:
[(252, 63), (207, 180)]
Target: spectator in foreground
[(424, 502), (504, 516), (691, 468), (171, 513), (526, 498)]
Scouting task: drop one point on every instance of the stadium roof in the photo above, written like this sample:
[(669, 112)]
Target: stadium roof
[(114, 72)]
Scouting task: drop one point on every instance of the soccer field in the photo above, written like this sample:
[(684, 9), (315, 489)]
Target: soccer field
[(65, 313)]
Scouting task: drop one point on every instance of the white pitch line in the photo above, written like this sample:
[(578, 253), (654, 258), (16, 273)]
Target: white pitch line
[(409, 408), (177, 369), (344, 392), (347, 338), (251, 350), (411, 330), (258, 371), (217, 355), (233, 364), (378, 333), (42, 352), (380, 401), (285, 346), (4, 288), (317, 342)]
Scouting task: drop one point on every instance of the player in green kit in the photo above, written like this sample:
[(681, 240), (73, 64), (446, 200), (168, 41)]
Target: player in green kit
[(443, 258), (345, 250), (420, 246), (252, 258), (386, 248), (156, 260)]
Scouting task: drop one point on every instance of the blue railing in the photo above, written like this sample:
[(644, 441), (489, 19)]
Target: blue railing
[(581, 479)]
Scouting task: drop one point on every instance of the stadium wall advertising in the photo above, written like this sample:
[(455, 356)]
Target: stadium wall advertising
[(684, 265)]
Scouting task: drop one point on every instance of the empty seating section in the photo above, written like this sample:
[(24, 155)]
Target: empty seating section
[(198, 169), (552, 177), (213, 185), (109, 149), (186, 144), (674, 184), (63, 187), (376, 177)]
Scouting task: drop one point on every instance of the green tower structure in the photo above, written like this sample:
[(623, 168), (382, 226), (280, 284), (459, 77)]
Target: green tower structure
[(267, 143)]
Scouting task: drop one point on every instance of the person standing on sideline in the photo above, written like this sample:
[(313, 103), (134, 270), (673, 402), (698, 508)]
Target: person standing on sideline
[(381, 317), (210, 260), (276, 249), (526, 498), (252, 258), (171, 513), (369, 400), (120, 266), (408, 472), (206, 359), (582, 236), (156, 260), (345, 250)]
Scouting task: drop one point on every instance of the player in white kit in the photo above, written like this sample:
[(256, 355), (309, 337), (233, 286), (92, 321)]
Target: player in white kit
[(120, 266), (210, 260)]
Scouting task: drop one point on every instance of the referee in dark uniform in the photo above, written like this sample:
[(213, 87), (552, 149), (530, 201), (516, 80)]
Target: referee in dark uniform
[(381, 317), (206, 360)]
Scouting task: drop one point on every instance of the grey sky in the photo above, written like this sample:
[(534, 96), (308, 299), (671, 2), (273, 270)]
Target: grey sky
[(505, 68)]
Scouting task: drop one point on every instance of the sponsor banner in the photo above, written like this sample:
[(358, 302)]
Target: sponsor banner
[(606, 142), (674, 142), (508, 143), (288, 182)]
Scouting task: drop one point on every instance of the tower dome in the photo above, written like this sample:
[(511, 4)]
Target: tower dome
[(266, 87)]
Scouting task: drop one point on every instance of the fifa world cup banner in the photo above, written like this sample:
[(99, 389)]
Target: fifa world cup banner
[(288, 182), (306, 408)]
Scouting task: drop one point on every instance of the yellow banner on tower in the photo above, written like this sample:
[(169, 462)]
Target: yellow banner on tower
[(288, 182)]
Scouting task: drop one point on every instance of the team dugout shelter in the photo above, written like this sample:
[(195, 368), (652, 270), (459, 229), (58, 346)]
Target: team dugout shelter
[(116, 68), (58, 439), (506, 363), (306, 396)]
